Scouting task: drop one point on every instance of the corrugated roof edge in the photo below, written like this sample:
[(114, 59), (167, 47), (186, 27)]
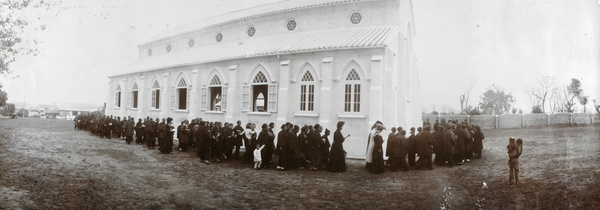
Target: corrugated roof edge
[(387, 40), (166, 35), (233, 58)]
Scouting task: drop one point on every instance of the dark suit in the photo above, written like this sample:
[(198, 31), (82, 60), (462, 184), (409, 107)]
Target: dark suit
[(424, 147), (128, 131)]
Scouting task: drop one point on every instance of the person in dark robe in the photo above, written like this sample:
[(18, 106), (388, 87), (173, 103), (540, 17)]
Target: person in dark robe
[(377, 164), (229, 134), (449, 145), (297, 159), (459, 153), (420, 164), (216, 137), (387, 150), (478, 142), (438, 146), (122, 127), (403, 144), (150, 134), (193, 140), (282, 150), (468, 143), (167, 131), (303, 144), (267, 152), (159, 131), (425, 148), (183, 136), (203, 145), (246, 136), (107, 128), (394, 153), (314, 147), (412, 147), (129, 126), (237, 143), (337, 155), (325, 149), (116, 127), (139, 132), (262, 139)]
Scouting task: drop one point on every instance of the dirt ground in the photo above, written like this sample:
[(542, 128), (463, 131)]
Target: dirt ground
[(45, 164)]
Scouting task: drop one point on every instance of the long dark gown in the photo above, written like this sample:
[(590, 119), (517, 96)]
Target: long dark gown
[(337, 155), (377, 166)]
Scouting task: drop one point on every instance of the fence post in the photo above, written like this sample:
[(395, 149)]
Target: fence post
[(522, 120), (591, 118), (571, 118), (469, 119), (496, 124)]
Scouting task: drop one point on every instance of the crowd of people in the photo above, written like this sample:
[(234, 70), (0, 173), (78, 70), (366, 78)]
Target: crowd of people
[(297, 148), (452, 142), (306, 147)]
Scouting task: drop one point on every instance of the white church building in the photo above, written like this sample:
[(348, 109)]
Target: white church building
[(298, 61)]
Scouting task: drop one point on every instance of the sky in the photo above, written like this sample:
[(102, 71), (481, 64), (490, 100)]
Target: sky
[(458, 43)]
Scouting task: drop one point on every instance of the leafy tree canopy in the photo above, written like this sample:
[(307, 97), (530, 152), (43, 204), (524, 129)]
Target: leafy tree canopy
[(496, 101)]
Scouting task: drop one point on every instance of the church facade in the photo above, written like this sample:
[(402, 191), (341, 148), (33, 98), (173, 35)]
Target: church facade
[(298, 61)]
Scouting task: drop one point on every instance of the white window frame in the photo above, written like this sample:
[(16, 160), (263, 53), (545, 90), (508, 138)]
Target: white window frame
[(182, 85), (215, 82), (154, 93), (353, 90), (118, 97), (134, 94), (307, 93)]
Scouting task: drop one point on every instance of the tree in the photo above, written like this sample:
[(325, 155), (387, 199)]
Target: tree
[(571, 92), (541, 91), (474, 111), (536, 110), (583, 100), (464, 98), (596, 106), (433, 109), (555, 102), (3, 97), (495, 100), (445, 108), (8, 110), (12, 22)]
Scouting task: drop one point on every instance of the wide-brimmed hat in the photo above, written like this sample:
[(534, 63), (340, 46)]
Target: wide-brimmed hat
[(379, 126)]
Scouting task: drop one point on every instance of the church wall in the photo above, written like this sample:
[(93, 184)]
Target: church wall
[(388, 77), (374, 13), (341, 63)]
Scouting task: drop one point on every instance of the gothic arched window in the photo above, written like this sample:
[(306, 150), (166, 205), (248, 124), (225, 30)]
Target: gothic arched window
[(260, 92), (352, 92), (182, 95), (134, 96), (118, 96), (307, 92), (216, 93), (155, 104)]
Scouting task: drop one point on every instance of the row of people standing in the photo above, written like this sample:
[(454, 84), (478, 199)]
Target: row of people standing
[(451, 144), (308, 147), (147, 132), (296, 148)]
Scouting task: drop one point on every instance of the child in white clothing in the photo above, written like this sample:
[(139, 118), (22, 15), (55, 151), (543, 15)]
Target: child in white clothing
[(257, 156)]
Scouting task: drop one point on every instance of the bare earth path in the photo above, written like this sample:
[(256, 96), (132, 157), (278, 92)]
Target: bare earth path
[(45, 164)]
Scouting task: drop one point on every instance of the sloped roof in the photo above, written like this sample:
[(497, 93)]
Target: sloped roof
[(253, 12), (336, 39)]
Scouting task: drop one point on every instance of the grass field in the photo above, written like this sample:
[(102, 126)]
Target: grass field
[(45, 164)]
